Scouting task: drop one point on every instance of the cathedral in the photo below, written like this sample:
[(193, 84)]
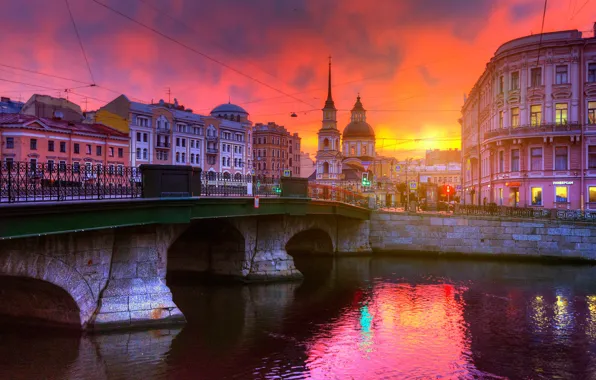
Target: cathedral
[(343, 157)]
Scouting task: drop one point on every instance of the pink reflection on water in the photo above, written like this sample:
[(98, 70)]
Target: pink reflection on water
[(399, 331)]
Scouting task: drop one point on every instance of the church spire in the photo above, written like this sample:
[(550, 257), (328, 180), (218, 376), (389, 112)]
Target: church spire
[(329, 102)]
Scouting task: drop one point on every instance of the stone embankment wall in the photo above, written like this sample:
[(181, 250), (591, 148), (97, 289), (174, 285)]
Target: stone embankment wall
[(394, 232)]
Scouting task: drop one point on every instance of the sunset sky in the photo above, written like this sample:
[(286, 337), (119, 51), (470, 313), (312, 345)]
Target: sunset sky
[(411, 60)]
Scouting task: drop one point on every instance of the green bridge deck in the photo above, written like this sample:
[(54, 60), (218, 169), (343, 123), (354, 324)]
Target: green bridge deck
[(23, 220)]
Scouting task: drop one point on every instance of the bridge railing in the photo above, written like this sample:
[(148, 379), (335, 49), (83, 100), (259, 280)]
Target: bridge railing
[(44, 182), (527, 212), (338, 194), (227, 185)]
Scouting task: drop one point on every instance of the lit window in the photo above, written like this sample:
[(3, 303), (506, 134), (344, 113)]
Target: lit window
[(535, 114), (515, 117), (561, 194), (561, 158), (536, 77), (592, 194), (501, 118), (536, 196), (501, 161), (592, 112), (592, 157), (561, 113), (561, 74)]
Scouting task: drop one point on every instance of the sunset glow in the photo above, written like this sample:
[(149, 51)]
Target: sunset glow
[(411, 61)]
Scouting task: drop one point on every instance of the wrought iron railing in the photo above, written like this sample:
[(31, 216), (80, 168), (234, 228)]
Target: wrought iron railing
[(227, 185), (527, 212), (31, 182), (332, 193)]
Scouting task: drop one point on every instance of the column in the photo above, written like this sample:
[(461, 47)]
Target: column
[(548, 89)]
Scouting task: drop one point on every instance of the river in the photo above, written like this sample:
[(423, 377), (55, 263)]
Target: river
[(351, 318)]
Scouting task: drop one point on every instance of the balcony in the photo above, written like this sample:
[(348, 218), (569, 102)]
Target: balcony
[(212, 150), (163, 144), (211, 138), (162, 130), (534, 131)]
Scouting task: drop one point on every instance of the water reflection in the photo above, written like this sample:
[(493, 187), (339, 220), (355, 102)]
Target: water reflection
[(361, 318)]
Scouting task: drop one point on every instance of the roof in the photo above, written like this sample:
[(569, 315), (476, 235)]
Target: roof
[(179, 114), (358, 129), (140, 107), (10, 106), (228, 107), (62, 125)]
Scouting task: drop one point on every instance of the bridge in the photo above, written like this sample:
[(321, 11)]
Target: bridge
[(102, 262)]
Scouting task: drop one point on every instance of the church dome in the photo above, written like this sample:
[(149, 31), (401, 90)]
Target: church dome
[(359, 129), (228, 108)]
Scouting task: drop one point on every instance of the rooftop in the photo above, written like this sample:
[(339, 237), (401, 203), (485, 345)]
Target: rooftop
[(61, 125)]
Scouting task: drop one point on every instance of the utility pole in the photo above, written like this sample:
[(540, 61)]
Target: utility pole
[(169, 92)]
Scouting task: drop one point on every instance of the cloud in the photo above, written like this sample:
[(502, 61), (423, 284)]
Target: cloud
[(427, 77)]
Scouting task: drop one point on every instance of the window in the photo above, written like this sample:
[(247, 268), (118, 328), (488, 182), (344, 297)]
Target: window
[(536, 159), (561, 194), (76, 148), (561, 113), (184, 143), (145, 154), (500, 119), (50, 146), (88, 148), (177, 156), (192, 143), (592, 157), (138, 153), (144, 137), (142, 121), (98, 150), (33, 165), (50, 165), (501, 161), (183, 157), (592, 194), (9, 163), (120, 152), (561, 74), (536, 196), (139, 136), (591, 112), (76, 167), (223, 161), (62, 146), (33, 144), (192, 158), (9, 142), (515, 117), (501, 84), (592, 72), (177, 141), (364, 150), (111, 169), (535, 114), (111, 151), (515, 80), (536, 77), (561, 157)]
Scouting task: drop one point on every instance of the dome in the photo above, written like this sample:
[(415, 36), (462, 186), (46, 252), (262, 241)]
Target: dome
[(229, 108), (359, 129)]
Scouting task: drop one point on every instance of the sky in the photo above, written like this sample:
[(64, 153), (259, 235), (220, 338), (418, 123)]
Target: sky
[(411, 61)]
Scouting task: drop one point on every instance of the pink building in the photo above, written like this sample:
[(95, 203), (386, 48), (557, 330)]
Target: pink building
[(529, 125), (59, 143)]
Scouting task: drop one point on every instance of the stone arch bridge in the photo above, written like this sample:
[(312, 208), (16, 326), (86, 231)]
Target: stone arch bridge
[(103, 264)]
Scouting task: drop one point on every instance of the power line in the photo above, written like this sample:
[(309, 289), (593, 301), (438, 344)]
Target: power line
[(579, 10), (200, 53), (32, 85), (541, 32), (40, 73), (80, 41)]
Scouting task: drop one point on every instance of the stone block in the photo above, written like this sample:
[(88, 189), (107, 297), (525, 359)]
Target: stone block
[(147, 269), (381, 216), (155, 285), (114, 304), (162, 300), (148, 315), (526, 237), (124, 270), (146, 253), (118, 317), (125, 287), (581, 232), (434, 221), (139, 302)]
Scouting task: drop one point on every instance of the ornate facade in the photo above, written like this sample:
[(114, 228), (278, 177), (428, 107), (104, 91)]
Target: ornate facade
[(529, 125)]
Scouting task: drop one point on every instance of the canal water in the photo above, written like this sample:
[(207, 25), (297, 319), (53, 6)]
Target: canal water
[(352, 318)]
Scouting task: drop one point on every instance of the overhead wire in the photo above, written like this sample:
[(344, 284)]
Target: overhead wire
[(80, 41), (204, 55)]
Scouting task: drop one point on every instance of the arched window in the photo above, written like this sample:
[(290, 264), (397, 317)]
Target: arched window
[(145, 154), (225, 116), (211, 176), (325, 168), (352, 150), (192, 158), (326, 143), (238, 177), (223, 161), (226, 175), (183, 157)]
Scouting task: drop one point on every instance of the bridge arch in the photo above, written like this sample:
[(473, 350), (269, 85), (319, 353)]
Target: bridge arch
[(44, 273), (312, 241)]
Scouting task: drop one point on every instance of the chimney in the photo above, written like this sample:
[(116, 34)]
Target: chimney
[(4, 99)]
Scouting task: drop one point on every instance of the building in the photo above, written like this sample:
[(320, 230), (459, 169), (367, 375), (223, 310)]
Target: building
[(48, 106), (169, 133), (275, 151), (60, 143), (343, 157), (8, 105), (442, 157), (307, 165), (529, 125)]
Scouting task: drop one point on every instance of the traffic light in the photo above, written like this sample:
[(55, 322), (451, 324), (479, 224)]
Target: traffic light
[(448, 189), (365, 180)]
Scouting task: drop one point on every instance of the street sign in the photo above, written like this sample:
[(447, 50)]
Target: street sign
[(397, 168), (413, 185), (366, 164), (287, 173)]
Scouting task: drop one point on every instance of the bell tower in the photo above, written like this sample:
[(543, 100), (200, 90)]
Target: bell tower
[(328, 153)]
